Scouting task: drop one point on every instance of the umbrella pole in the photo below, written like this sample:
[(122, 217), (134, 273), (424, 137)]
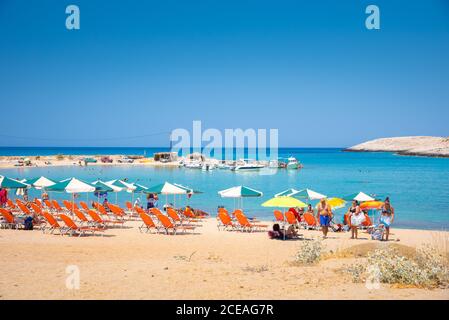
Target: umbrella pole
[(73, 203)]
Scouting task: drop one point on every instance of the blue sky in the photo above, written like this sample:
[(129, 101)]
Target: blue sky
[(137, 68)]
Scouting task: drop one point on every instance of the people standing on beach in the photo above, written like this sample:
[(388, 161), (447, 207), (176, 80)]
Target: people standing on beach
[(105, 205), (45, 196), (310, 209), (150, 201), (3, 197), (325, 215), (137, 202), (387, 217), (355, 217)]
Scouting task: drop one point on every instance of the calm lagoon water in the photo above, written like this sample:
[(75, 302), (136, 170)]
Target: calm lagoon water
[(418, 187)]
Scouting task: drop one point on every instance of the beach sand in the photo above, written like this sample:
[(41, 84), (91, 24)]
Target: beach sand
[(126, 264), (9, 162)]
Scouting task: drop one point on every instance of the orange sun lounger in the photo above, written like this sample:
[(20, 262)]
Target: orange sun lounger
[(84, 206), (10, 220), (167, 225), (246, 225), (310, 222), (52, 224), (225, 221), (57, 206), (279, 216), (11, 204), (74, 229), (81, 217), (70, 206), (148, 223), (291, 218), (102, 222)]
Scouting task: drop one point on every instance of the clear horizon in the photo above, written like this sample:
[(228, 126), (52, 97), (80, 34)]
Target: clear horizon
[(134, 72)]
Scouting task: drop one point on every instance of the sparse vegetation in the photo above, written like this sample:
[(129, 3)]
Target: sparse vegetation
[(427, 268), (309, 252), (60, 157), (256, 269)]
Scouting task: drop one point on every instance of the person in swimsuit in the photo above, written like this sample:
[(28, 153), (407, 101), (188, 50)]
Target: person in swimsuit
[(325, 215), (387, 217), (355, 218)]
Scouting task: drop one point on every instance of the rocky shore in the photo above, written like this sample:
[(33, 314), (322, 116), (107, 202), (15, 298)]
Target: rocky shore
[(411, 146)]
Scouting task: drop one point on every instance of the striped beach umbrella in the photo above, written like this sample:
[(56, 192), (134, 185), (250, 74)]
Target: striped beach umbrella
[(125, 186), (71, 185), (308, 194), (40, 182), (360, 197), (167, 188), (286, 193), (240, 192), (101, 186), (9, 183)]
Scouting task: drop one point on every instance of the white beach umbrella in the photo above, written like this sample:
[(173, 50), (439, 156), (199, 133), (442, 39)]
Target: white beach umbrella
[(308, 194), (240, 192), (71, 185), (362, 197), (40, 183)]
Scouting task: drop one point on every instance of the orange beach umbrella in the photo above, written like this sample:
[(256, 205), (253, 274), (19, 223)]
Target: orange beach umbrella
[(371, 205)]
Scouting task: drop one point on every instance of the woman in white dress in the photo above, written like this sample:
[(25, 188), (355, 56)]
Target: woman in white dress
[(356, 217)]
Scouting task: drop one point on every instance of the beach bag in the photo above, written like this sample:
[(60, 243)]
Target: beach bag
[(377, 233), (28, 223)]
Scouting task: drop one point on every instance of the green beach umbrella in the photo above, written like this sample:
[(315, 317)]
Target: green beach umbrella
[(9, 183), (359, 196), (71, 185), (188, 189), (100, 186), (139, 188), (240, 192), (286, 193), (308, 194), (40, 182), (167, 188), (122, 185)]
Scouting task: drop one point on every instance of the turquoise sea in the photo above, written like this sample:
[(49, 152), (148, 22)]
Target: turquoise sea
[(418, 187)]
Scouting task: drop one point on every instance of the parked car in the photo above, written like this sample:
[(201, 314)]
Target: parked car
[(89, 160), (126, 160), (106, 160)]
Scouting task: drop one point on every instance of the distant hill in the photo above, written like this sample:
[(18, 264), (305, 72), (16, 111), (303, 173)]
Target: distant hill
[(413, 146)]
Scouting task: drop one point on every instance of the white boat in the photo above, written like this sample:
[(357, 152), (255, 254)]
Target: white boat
[(247, 165), (193, 165), (293, 163), (208, 167)]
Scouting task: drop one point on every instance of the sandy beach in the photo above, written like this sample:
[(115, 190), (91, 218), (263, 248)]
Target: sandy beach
[(126, 264), (9, 162)]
